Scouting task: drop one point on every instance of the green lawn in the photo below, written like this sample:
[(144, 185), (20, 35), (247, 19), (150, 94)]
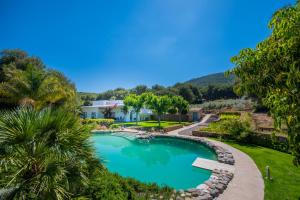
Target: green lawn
[(153, 124), (286, 177)]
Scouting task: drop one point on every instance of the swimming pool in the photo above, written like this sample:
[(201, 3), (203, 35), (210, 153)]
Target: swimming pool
[(161, 160)]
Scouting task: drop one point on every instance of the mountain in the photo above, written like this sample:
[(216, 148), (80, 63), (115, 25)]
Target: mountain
[(212, 79)]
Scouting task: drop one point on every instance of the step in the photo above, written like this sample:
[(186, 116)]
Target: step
[(212, 164)]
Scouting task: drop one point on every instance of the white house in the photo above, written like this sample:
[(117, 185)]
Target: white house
[(98, 108)]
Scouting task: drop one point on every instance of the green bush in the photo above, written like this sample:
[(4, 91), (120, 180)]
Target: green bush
[(112, 186), (101, 122), (234, 127), (238, 129), (115, 126)]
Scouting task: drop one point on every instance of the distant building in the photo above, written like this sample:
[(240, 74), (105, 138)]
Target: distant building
[(113, 109)]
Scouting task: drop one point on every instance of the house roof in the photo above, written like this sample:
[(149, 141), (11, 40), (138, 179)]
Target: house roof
[(105, 104)]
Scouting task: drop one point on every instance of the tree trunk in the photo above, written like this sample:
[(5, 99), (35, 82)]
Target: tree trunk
[(158, 118), (136, 118), (180, 111)]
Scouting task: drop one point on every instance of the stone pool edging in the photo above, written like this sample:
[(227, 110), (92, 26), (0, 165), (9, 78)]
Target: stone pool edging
[(219, 179), (217, 182)]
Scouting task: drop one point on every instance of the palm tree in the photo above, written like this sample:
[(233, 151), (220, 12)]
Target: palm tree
[(43, 154), (107, 112), (35, 86)]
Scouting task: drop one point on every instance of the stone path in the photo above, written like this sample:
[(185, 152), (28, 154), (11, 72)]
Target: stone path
[(212, 165)]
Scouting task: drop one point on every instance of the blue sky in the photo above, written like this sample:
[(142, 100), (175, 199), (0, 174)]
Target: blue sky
[(102, 45)]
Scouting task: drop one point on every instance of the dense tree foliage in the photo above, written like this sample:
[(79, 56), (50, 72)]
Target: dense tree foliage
[(271, 71), (136, 102), (191, 93), (158, 104), (216, 79), (119, 93), (180, 105), (26, 81)]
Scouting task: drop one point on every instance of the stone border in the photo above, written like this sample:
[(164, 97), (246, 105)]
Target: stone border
[(224, 156), (219, 179)]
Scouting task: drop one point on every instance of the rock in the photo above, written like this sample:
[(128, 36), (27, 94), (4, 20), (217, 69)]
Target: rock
[(208, 183), (220, 186), (214, 192), (192, 190), (202, 187), (205, 197)]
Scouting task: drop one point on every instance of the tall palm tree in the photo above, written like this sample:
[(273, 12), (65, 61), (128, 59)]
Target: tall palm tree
[(43, 154)]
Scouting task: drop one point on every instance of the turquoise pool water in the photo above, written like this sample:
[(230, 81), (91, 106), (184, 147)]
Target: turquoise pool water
[(165, 161)]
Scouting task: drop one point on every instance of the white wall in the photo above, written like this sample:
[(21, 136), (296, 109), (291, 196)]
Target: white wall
[(118, 114)]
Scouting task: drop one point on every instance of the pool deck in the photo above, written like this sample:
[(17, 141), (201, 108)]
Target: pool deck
[(247, 183), (212, 165)]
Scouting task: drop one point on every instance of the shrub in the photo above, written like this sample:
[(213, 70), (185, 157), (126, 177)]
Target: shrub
[(237, 104), (101, 122), (230, 127), (115, 126), (112, 186), (235, 127)]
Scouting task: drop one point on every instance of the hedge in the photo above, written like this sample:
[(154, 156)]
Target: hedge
[(101, 122), (272, 141)]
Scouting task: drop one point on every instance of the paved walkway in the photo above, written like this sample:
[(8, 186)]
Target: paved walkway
[(247, 183), (212, 164), (187, 130)]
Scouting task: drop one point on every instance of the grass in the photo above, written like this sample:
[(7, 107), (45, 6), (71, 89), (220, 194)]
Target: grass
[(286, 177), (153, 124)]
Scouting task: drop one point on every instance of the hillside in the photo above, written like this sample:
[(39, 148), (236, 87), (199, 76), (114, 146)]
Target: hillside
[(212, 79)]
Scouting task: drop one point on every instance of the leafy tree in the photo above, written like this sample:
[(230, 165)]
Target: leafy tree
[(198, 95), (87, 103), (118, 93), (136, 102), (186, 92), (271, 71), (44, 154), (180, 105), (28, 82), (140, 89), (158, 104), (15, 57)]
